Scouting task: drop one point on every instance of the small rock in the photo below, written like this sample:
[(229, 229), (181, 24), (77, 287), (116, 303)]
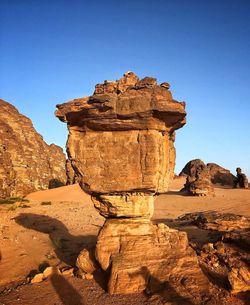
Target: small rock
[(165, 85), (89, 276), (86, 261), (68, 272), (38, 278), (48, 272)]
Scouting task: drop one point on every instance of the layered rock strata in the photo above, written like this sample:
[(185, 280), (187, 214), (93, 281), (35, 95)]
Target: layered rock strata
[(121, 147), (27, 163)]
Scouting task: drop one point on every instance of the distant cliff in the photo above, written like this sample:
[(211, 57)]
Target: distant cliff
[(27, 163)]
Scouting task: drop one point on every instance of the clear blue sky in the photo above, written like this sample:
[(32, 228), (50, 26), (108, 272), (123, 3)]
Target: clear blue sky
[(54, 51)]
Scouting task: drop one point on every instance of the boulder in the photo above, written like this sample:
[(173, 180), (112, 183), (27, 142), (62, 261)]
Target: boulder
[(198, 181), (27, 163), (86, 262)]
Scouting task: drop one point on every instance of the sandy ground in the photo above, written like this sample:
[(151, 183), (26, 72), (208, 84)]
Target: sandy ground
[(56, 224)]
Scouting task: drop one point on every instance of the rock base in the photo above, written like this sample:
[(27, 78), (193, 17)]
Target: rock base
[(142, 256)]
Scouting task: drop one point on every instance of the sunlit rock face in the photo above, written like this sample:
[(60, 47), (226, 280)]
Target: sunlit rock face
[(27, 163), (121, 146)]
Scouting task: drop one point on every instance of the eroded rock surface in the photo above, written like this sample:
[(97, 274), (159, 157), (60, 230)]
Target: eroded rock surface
[(121, 146), (70, 173), (198, 181), (217, 173), (220, 175), (226, 261), (223, 222), (27, 163)]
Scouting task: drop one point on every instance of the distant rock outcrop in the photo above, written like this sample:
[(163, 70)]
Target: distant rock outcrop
[(210, 173), (220, 175), (198, 180), (241, 180), (27, 163)]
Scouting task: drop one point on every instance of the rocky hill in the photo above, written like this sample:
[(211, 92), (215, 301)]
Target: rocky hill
[(218, 174), (27, 163)]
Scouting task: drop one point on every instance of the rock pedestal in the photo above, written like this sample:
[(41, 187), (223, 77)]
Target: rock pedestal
[(121, 146)]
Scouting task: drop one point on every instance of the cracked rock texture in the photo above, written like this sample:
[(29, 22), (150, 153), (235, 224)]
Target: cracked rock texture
[(226, 261), (27, 163), (121, 147)]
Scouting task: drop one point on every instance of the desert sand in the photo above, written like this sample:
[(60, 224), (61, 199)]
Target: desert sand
[(53, 227)]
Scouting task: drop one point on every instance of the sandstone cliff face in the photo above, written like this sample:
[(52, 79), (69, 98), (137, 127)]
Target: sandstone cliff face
[(27, 163), (121, 147)]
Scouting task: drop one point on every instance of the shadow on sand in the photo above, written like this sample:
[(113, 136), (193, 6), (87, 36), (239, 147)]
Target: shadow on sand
[(66, 292), (66, 246)]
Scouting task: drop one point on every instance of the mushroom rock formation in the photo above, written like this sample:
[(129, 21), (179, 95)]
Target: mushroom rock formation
[(27, 163), (121, 146), (198, 181)]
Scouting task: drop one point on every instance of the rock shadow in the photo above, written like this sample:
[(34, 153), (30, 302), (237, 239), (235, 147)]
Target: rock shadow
[(163, 289), (54, 183), (66, 292), (66, 246)]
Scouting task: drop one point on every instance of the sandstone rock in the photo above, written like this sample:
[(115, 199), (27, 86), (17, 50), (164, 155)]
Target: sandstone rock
[(38, 278), (121, 146), (218, 174), (239, 279), (125, 205), (142, 255), (27, 163), (129, 80), (86, 261), (89, 276), (241, 180), (227, 264), (68, 272), (70, 173), (223, 222), (191, 167), (198, 180), (48, 272), (227, 260)]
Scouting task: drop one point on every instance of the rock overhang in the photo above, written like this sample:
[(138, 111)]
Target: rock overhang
[(139, 105)]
